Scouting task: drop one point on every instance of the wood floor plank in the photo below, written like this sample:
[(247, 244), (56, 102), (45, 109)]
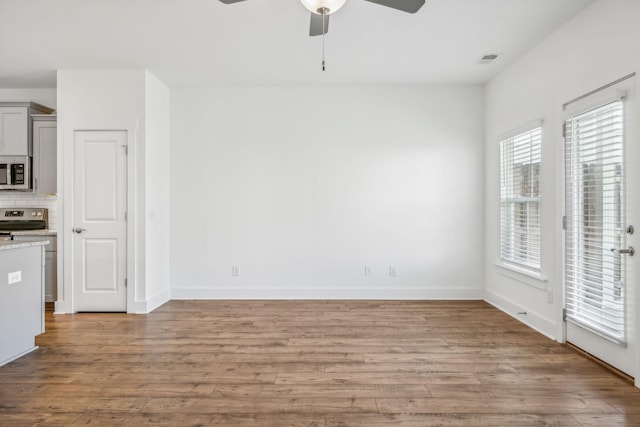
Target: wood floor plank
[(308, 363), (173, 420), (320, 391), (38, 419), (379, 378), (419, 368), (597, 420), (537, 405), (451, 420), (261, 405), (63, 404)]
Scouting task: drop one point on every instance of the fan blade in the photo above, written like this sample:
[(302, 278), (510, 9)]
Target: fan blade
[(231, 1), (315, 28), (411, 6)]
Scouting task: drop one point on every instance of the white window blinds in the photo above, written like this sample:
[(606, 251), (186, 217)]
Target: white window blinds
[(520, 199), (594, 208)]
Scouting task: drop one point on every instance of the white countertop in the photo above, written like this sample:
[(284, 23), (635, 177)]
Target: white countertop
[(35, 233), (10, 244)]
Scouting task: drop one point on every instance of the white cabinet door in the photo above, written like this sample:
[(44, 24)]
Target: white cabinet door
[(45, 155), (50, 276), (14, 131)]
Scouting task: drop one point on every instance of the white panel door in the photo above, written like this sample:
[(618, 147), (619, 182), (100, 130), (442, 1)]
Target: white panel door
[(99, 226), (601, 204)]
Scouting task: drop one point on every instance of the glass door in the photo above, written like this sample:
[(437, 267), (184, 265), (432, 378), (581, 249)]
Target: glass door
[(597, 284)]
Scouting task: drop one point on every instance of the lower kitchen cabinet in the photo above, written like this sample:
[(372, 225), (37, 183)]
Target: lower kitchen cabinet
[(21, 305), (51, 261)]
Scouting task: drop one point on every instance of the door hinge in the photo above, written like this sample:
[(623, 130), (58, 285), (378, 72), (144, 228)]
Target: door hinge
[(125, 216), (125, 283), (564, 314), (564, 130), (564, 222), (126, 149)]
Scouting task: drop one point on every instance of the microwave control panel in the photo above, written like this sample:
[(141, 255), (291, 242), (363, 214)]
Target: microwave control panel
[(17, 174)]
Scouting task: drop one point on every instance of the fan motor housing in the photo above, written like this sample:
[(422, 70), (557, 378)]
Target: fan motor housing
[(323, 7)]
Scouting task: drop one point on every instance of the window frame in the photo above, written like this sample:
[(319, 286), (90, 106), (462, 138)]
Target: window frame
[(530, 265)]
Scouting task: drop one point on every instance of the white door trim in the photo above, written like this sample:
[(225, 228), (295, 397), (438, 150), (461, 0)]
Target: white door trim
[(65, 303)]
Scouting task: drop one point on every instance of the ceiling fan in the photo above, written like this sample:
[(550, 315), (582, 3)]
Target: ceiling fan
[(322, 9)]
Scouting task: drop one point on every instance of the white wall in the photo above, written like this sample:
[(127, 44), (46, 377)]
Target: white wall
[(302, 187), (596, 47), (46, 97), (157, 194), (117, 99)]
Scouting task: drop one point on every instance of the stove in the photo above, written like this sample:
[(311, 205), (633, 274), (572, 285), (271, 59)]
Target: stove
[(21, 219)]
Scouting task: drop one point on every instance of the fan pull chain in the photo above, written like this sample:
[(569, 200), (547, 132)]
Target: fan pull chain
[(324, 13)]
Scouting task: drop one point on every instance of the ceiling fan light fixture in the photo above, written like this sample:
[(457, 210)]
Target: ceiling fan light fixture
[(318, 6)]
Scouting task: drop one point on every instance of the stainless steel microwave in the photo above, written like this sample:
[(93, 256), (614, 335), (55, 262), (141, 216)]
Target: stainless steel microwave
[(15, 173)]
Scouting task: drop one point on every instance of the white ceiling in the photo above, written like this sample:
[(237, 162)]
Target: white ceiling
[(266, 42)]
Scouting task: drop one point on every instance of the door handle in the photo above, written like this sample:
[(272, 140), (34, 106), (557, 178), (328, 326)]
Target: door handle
[(78, 230), (629, 251)]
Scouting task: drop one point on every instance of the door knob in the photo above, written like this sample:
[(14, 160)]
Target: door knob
[(78, 230), (629, 251)]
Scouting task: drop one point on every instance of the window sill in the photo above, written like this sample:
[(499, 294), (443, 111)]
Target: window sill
[(537, 280)]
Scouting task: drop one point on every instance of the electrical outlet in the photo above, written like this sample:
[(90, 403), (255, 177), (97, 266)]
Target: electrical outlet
[(392, 270), (550, 296), (235, 271), (367, 270), (14, 277)]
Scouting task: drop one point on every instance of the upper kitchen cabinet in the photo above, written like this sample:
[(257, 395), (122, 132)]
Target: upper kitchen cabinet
[(15, 127), (45, 150)]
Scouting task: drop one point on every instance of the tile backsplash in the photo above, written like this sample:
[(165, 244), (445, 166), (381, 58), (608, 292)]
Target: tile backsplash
[(22, 200)]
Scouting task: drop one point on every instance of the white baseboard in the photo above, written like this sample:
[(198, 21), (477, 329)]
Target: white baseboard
[(158, 300), (61, 307), (330, 294), (545, 326), (146, 307), (17, 356), (139, 307)]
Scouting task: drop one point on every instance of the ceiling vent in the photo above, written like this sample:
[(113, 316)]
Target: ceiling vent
[(487, 59)]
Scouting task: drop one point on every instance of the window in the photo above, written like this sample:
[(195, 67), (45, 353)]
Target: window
[(520, 199)]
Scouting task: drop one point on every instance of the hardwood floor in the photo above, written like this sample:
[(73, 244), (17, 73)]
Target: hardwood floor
[(308, 363)]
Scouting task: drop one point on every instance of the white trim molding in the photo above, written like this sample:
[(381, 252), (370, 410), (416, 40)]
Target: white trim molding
[(328, 293), (535, 321), (531, 278), (157, 300)]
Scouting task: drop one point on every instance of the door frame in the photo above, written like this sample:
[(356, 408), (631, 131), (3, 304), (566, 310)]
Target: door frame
[(66, 133), (632, 176)]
